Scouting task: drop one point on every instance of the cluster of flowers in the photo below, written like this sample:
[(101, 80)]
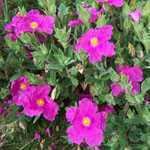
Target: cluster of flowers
[(34, 99), (94, 15), (87, 123), (94, 12), (97, 13), (33, 21), (134, 76)]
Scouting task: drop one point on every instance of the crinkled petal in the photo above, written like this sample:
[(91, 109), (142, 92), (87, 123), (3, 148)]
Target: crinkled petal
[(94, 138), (95, 57), (86, 105), (71, 113), (136, 15), (116, 3), (44, 89), (135, 88), (74, 136), (50, 110), (107, 49), (105, 32), (116, 89)]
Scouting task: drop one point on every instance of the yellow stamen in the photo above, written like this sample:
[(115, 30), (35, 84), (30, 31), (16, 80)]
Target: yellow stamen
[(34, 25), (86, 121), (23, 86), (40, 102), (94, 41)]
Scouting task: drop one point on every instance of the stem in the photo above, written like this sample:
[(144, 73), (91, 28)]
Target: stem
[(26, 145), (6, 15)]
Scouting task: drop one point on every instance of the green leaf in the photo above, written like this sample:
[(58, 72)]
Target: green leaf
[(145, 10), (113, 75), (62, 35), (146, 85), (63, 9), (74, 81), (136, 99), (57, 67), (13, 45), (84, 15), (110, 99), (49, 6), (101, 21)]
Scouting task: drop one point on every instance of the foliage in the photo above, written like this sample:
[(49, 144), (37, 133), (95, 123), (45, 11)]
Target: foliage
[(56, 63)]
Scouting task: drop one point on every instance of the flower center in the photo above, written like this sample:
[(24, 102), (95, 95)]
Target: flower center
[(34, 25), (94, 41), (86, 121), (40, 102), (23, 86)]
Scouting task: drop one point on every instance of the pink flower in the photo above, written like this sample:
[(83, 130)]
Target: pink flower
[(94, 13), (36, 102), (18, 87), (87, 124), (37, 136), (95, 42), (12, 28), (116, 3), (33, 21), (116, 89), (75, 22), (135, 88), (134, 75), (136, 15)]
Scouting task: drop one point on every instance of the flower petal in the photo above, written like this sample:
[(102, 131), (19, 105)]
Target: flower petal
[(70, 114), (94, 138), (50, 110), (75, 136)]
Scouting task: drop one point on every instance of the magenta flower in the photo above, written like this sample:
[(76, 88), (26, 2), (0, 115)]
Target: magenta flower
[(116, 3), (75, 22), (136, 15), (36, 102), (95, 42), (18, 87), (94, 13), (134, 75), (116, 89), (37, 136), (33, 21), (12, 28), (87, 124)]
